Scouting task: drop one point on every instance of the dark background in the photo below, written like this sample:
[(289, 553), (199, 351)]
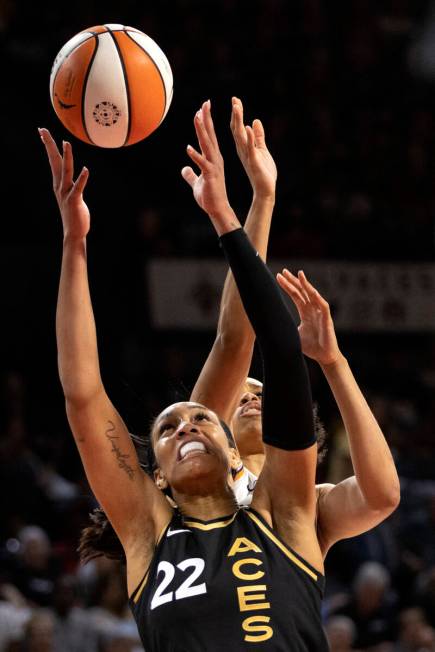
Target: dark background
[(346, 92)]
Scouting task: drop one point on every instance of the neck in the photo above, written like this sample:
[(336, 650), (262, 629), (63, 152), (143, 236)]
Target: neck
[(207, 507), (254, 462)]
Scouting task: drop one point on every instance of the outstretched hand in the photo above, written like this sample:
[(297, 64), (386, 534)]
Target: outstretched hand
[(253, 153), (69, 193), (208, 187), (316, 329)]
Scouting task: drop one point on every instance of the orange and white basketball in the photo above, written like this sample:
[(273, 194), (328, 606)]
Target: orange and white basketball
[(111, 85)]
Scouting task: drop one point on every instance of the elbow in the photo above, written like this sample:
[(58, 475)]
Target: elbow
[(393, 494), (79, 386), (380, 494), (234, 343), (78, 396), (389, 500), (75, 402), (234, 330), (395, 497)]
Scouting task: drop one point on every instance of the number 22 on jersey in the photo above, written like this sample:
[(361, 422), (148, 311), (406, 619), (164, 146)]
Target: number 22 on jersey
[(187, 589)]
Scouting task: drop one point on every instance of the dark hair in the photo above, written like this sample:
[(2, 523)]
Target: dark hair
[(321, 434), (99, 538), (229, 434)]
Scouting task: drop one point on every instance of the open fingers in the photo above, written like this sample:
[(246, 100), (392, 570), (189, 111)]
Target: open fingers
[(54, 156), (189, 175), (258, 129), (292, 290), (67, 168), (208, 124), (314, 294), (295, 281), (233, 114), (251, 139), (80, 182), (311, 291), (237, 126), (197, 158), (202, 135)]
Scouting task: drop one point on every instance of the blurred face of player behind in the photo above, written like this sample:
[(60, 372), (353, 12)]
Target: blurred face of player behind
[(192, 451), (246, 422)]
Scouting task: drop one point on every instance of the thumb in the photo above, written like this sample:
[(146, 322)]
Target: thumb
[(258, 130), (81, 182), (250, 138), (189, 175)]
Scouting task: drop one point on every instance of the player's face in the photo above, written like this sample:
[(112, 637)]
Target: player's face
[(246, 422), (191, 447)]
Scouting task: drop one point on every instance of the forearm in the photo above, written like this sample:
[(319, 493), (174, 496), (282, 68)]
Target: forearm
[(372, 461), (234, 328), (286, 383), (75, 326), (224, 373)]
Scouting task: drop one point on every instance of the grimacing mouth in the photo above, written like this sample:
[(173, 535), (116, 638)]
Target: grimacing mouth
[(191, 440)]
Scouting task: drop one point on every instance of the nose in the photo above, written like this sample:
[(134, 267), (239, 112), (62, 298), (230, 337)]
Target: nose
[(185, 428), (249, 396)]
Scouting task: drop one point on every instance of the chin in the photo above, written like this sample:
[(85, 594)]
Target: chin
[(249, 427), (200, 471)]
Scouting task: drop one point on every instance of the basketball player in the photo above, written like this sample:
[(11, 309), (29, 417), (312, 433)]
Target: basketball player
[(359, 502), (208, 558), (207, 575)]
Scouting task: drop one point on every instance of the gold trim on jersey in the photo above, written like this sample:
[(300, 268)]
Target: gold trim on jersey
[(239, 474), (282, 547), (139, 590), (210, 526)]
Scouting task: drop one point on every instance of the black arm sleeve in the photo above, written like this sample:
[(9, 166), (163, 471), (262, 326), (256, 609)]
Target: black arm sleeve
[(287, 406)]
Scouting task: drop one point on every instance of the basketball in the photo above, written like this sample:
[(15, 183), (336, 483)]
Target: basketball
[(111, 85)]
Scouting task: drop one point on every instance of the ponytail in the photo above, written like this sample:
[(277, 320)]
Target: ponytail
[(99, 538)]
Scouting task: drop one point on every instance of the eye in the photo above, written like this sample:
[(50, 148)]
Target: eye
[(259, 395), (201, 416), (165, 427)]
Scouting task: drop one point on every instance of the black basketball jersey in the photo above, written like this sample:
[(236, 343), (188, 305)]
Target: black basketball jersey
[(228, 584)]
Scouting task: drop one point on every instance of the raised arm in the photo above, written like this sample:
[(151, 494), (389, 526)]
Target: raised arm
[(360, 502), (286, 488), (131, 501), (226, 368)]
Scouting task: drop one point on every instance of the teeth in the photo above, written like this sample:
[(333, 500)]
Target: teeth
[(191, 446)]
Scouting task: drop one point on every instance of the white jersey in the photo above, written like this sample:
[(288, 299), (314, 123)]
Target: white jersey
[(244, 485)]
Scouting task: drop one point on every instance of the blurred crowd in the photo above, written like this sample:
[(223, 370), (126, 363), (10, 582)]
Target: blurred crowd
[(346, 93)]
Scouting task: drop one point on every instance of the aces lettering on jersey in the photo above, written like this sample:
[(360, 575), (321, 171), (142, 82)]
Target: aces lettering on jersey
[(251, 597), (251, 592)]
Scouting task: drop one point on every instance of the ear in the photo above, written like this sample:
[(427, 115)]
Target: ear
[(160, 480), (235, 459)]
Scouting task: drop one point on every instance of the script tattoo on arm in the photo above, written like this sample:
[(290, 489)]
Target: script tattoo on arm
[(120, 456)]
